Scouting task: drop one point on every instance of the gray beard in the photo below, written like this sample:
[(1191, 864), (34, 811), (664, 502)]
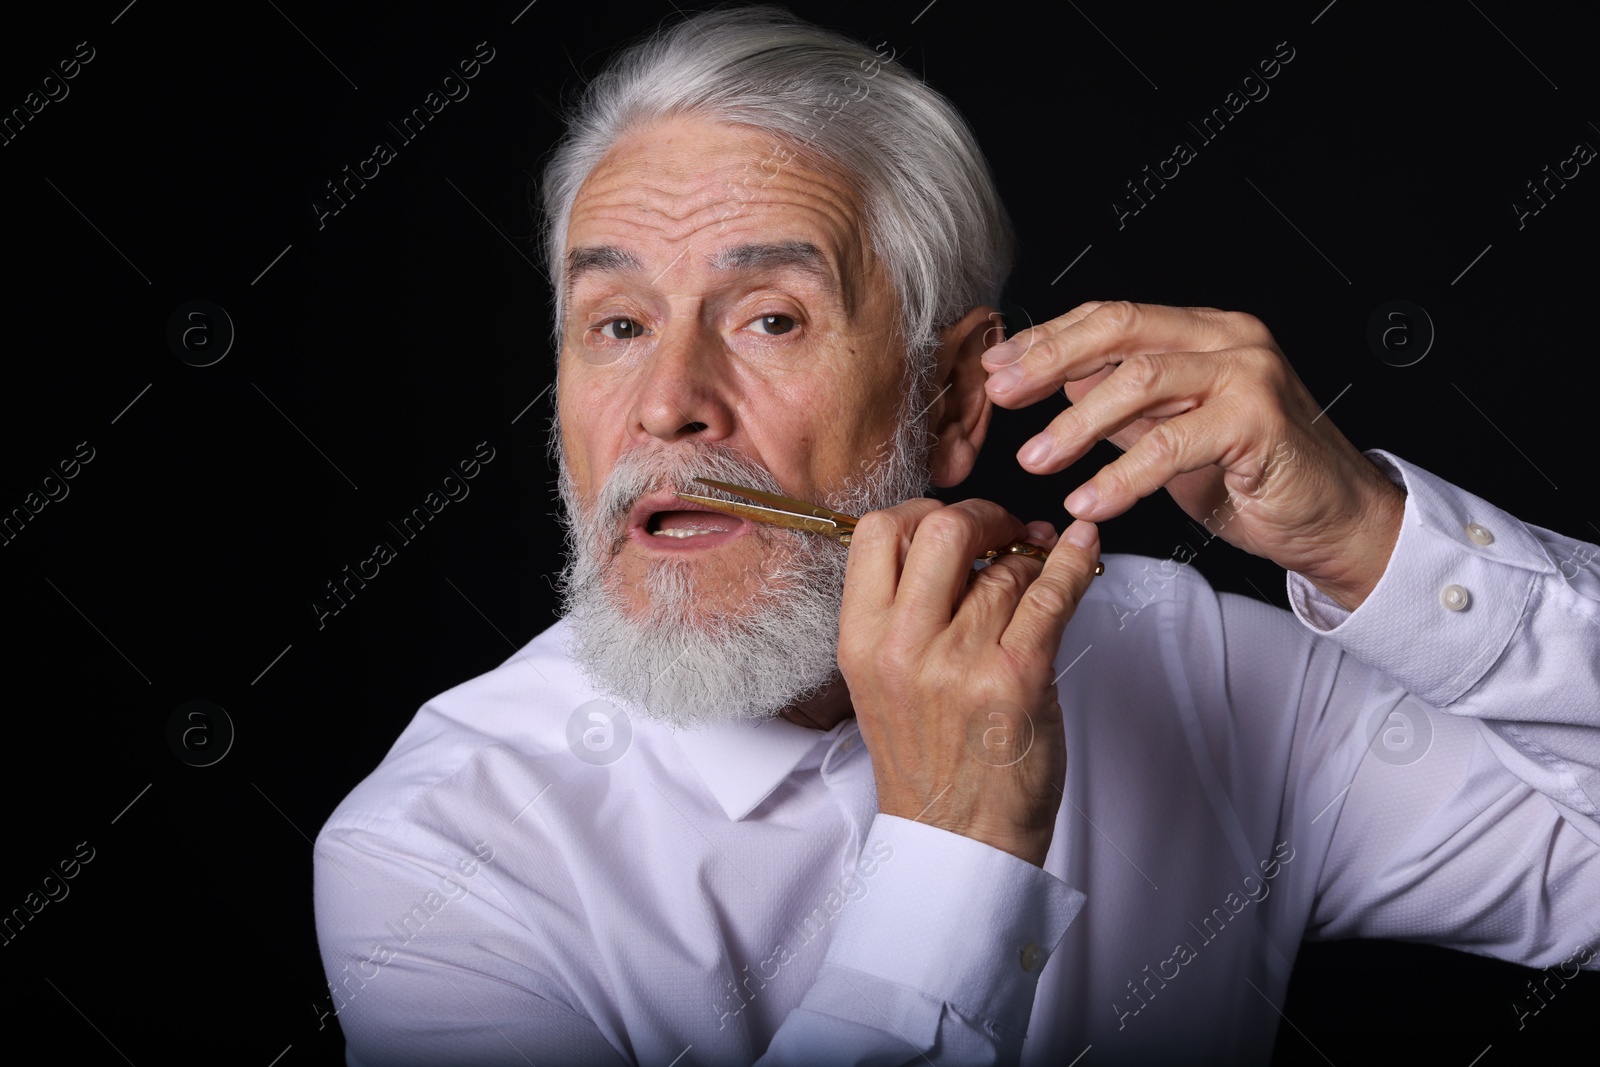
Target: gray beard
[(677, 665)]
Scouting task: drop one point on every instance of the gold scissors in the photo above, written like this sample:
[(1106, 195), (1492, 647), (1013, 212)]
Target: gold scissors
[(799, 515)]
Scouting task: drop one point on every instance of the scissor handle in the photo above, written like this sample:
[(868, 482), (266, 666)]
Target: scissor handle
[(1018, 548), (1023, 548)]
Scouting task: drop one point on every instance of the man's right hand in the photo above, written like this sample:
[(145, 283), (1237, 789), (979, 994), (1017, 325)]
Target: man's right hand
[(952, 674)]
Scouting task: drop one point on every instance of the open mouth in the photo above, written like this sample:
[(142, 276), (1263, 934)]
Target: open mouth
[(680, 525), (666, 521)]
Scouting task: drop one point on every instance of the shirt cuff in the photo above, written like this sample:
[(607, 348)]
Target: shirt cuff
[(962, 922), (1454, 593)]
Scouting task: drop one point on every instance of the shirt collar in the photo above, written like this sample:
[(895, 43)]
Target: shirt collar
[(743, 762)]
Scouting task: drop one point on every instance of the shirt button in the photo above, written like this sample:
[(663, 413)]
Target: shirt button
[(1479, 535), (1032, 957), (1454, 597), (847, 744)]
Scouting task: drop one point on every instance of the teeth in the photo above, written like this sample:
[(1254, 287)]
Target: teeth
[(681, 533)]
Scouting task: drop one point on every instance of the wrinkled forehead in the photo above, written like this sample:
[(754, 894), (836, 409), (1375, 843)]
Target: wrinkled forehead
[(688, 195)]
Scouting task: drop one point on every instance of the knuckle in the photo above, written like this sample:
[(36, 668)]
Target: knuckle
[(1118, 315), (1050, 598), (1268, 371), (1162, 444), (1248, 366), (1278, 371), (1262, 357), (1071, 425), (1140, 373), (896, 659), (1114, 479), (1219, 327), (880, 526), (1245, 324), (1031, 336), (948, 528), (1031, 339), (1248, 323), (1008, 578)]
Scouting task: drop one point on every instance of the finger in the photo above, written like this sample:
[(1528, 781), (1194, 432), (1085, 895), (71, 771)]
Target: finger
[(1041, 533), (877, 554), (1151, 386), (992, 597), (1041, 616), (1014, 348), (1037, 533), (1109, 334), (1215, 434), (939, 562)]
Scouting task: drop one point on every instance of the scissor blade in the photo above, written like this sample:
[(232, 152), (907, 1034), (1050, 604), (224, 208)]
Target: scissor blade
[(783, 503), (756, 513)]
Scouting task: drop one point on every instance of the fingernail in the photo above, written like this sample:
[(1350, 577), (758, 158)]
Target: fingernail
[(1080, 533), (1034, 452), (1002, 353), (1005, 379), (1083, 500)]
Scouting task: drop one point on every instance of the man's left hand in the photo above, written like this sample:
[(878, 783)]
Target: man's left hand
[(1204, 403)]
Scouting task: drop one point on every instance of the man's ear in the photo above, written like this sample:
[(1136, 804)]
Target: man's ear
[(960, 414)]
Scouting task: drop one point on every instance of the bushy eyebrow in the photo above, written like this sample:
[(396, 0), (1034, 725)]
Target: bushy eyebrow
[(797, 255), (800, 255), (597, 258)]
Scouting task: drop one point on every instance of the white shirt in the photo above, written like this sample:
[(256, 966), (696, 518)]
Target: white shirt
[(1427, 768)]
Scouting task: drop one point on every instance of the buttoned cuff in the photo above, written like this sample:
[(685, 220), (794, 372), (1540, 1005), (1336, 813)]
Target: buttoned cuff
[(1454, 593), (951, 917)]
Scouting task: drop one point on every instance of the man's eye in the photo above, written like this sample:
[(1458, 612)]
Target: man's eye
[(621, 329), (773, 325)]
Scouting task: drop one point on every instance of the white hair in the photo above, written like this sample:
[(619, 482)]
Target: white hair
[(932, 212)]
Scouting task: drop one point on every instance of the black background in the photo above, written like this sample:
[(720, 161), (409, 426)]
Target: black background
[(374, 353)]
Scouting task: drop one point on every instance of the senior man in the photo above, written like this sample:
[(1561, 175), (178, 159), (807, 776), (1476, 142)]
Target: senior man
[(759, 797)]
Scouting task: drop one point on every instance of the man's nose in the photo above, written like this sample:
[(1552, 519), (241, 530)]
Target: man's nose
[(686, 390)]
